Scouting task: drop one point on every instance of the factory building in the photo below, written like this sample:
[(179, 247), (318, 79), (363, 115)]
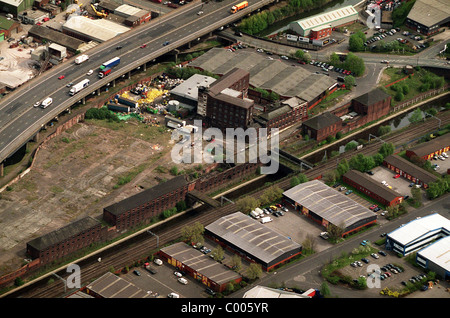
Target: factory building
[(427, 16)]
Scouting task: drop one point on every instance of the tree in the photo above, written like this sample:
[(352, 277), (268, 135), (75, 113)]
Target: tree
[(247, 204), (218, 253), (325, 289), (416, 116), (416, 196), (351, 145), (254, 271), (383, 130), (335, 232), (356, 42), (349, 82), (236, 263), (193, 233), (386, 149)]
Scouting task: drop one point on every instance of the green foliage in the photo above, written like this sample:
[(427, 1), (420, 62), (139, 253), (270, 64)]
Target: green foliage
[(351, 62), (400, 13), (439, 187), (349, 82), (186, 72), (101, 114), (416, 116), (356, 42), (383, 130), (351, 145), (386, 149), (361, 162)]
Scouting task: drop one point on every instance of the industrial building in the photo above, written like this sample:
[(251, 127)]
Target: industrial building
[(363, 183), (436, 257), (64, 241), (41, 33), (283, 113), (326, 206), (271, 75), (15, 6), (409, 170), (267, 292), (252, 240), (372, 105), (429, 149), (111, 286), (427, 16), (227, 105), (324, 21), (187, 92), (321, 126), (141, 207), (8, 28), (98, 30), (199, 266), (417, 234)]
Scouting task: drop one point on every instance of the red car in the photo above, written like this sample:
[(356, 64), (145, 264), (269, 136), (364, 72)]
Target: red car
[(143, 46), (301, 62), (373, 206), (396, 176), (61, 77)]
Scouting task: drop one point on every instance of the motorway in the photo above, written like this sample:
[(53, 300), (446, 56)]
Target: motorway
[(20, 121)]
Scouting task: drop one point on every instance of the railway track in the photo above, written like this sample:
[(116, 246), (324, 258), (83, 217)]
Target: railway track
[(141, 246)]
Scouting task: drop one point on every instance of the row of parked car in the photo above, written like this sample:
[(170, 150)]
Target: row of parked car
[(327, 67)]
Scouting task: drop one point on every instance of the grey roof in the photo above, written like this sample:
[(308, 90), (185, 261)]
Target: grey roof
[(200, 263), (272, 75), (411, 169), (323, 120), (274, 113), (146, 195), (431, 146), (329, 204), (430, 12), (189, 88), (55, 36), (372, 97), (371, 185), (252, 237), (61, 234), (112, 286)]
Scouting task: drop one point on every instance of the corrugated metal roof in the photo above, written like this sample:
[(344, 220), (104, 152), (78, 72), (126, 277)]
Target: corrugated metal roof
[(410, 168), (438, 253), (431, 146), (328, 203), (252, 237), (112, 286), (327, 17), (418, 228), (430, 12)]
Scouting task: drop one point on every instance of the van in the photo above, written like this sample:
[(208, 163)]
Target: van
[(266, 219), (173, 295), (46, 102)]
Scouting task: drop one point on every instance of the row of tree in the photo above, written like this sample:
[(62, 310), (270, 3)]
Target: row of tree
[(351, 62)]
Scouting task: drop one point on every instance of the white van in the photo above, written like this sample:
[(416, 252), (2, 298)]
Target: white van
[(266, 219), (46, 102), (173, 295)]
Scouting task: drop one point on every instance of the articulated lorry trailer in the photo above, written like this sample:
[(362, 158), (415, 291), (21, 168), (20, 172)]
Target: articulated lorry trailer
[(126, 101), (119, 108), (79, 86), (111, 63)]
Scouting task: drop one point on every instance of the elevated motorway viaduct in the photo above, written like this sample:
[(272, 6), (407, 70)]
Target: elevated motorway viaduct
[(20, 122)]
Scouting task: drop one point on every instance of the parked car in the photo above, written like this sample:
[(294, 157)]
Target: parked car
[(382, 253), (178, 274), (377, 209), (157, 261), (374, 256), (364, 242), (182, 280), (349, 192), (365, 260), (136, 272), (397, 176), (373, 206)]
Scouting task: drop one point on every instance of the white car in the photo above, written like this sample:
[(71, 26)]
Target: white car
[(182, 280), (178, 274), (200, 12), (90, 72), (284, 57), (37, 104)]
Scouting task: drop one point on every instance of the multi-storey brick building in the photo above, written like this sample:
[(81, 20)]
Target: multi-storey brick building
[(321, 126), (372, 105), (227, 105), (291, 111)]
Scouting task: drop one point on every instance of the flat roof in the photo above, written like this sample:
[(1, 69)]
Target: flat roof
[(251, 236), (111, 286), (328, 203), (372, 185), (55, 36), (200, 263), (431, 146), (418, 228), (430, 12), (267, 292), (273, 75), (98, 30), (438, 253), (189, 87), (410, 168)]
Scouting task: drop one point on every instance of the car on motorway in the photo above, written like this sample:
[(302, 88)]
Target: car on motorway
[(118, 47), (61, 77), (37, 104), (143, 46), (90, 72), (200, 12), (166, 43), (69, 84)]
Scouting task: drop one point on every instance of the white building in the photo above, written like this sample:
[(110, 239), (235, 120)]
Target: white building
[(335, 18), (99, 30), (436, 257), (417, 234)]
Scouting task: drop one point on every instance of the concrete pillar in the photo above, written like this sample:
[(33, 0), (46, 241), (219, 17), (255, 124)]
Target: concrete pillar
[(36, 137), (114, 83), (144, 67), (98, 91), (83, 100), (129, 75), (1, 170)]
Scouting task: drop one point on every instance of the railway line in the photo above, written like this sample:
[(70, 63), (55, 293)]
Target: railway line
[(144, 244)]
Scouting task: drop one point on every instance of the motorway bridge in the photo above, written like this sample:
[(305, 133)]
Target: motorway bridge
[(20, 122)]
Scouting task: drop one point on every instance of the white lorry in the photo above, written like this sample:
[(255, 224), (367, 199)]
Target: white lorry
[(80, 59), (79, 86)]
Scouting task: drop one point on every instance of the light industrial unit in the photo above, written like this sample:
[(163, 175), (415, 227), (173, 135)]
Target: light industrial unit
[(326, 206), (252, 240), (417, 234)]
